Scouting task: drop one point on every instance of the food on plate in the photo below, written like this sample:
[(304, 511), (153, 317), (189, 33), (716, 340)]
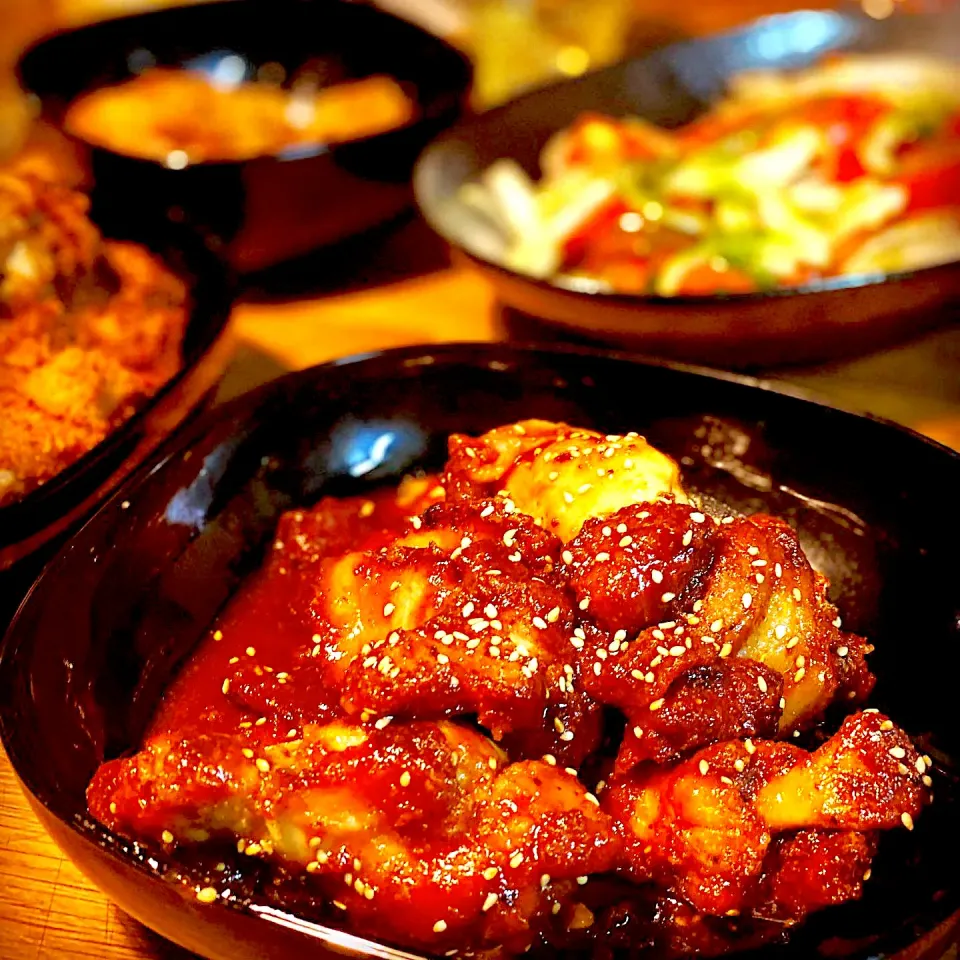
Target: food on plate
[(848, 167), (185, 116), (89, 328), (543, 699)]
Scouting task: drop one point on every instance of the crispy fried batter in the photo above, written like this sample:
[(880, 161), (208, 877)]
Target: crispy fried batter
[(87, 330), (705, 826), (421, 829), (703, 593), (560, 475)]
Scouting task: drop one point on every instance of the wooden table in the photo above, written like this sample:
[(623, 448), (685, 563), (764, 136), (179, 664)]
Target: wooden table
[(402, 292)]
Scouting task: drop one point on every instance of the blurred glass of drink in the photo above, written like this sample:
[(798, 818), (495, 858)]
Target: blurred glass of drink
[(518, 44)]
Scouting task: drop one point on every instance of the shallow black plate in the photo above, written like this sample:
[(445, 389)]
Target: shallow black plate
[(670, 87), (32, 526), (270, 208), (108, 624)]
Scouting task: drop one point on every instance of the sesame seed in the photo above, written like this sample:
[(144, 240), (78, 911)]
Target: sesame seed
[(405, 778), (762, 684), (592, 799), (898, 753), (226, 685), (726, 650), (927, 780), (388, 609), (262, 765), (687, 538), (553, 615), (207, 895), (582, 881), (602, 557), (584, 603), (906, 820), (440, 926), (638, 732), (247, 752), (677, 651), (490, 901), (486, 511), (656, 576), (716, 626), (545, 881), (920, 765), (746, 600), (657, 704), (748, 745), (566, 557), (383, 723), (539, 623), (489, 873), (217, 634), (667, 597), (780, 631), (704, 767), (166, 836), (516, 859), (697, 517)]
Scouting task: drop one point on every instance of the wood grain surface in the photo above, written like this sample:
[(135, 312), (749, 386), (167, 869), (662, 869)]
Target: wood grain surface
[(393, 291)]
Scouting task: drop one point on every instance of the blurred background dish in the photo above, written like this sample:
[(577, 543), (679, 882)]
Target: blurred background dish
[(819, 319), (106, 348), (279, 203), (109, 623)]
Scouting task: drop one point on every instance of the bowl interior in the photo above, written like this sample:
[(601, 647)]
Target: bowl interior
[(110, 622), (332, 40)]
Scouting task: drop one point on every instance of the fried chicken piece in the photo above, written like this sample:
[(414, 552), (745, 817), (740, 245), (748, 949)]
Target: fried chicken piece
[(419, 831), (703, 828), (465, 614), (558, 474), (738, 597)]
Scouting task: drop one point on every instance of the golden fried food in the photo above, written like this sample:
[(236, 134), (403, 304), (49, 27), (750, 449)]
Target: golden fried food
[(403, 713), (558, 474), (163, 114), (88, 330)]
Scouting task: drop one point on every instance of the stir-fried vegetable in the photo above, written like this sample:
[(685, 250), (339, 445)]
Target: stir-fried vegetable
[(793, 177)]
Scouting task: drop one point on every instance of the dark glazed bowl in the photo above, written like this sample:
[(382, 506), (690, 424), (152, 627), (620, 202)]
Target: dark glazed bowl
[(31, 528), (819, 321), (109, 623), (271, 208)]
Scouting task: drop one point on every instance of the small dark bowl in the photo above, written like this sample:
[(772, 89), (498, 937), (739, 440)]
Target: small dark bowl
[(670, 87), (109, 623), (32, 528), (271, 208)]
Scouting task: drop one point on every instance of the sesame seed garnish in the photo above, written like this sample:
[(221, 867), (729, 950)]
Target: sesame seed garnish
[(539, 623), (486, 511), (262, 765), (489, 873), (247, 752), (166, 836), (388, 609), (516, 859), (677, 651), (656, 576), (440, 926), (687, 538), (383, 723), (704, 767), (796, 593), (716, 626), (592, 799), (207, 895), (667, 597), (898, 753), (217, 634), (602, 557), (762, 684), (842, 651), (746, 600), (566, 557), (697, 517), (748, 745), (582, 881), (490, 901), (657, 704), (906, 820), (927, 780), (920, 765), (726, 650), (584, 603), (553, 615), (405, 778)]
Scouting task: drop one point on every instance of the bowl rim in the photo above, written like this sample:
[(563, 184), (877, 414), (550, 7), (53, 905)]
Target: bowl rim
[(14, 638), (433, 154), (306, 151)]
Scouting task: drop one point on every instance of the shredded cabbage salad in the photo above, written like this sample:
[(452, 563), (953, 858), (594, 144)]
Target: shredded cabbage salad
[(849, 167)]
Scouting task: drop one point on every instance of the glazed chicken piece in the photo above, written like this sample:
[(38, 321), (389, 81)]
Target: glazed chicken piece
[(464, 614), (745, 826), (421, 833), (702, 631), (558, 474)]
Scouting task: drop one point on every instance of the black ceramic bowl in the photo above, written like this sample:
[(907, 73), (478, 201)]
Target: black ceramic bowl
[(31, 528), (270, 208), (109, 623), (670, 87)]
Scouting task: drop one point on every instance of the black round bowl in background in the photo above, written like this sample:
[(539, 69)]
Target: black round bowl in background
[(271, 208), (109, 623), (669, 87), (33, 527)]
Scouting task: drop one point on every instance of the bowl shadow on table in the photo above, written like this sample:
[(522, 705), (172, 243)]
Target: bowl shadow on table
[(403, 248), (515, 325)]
